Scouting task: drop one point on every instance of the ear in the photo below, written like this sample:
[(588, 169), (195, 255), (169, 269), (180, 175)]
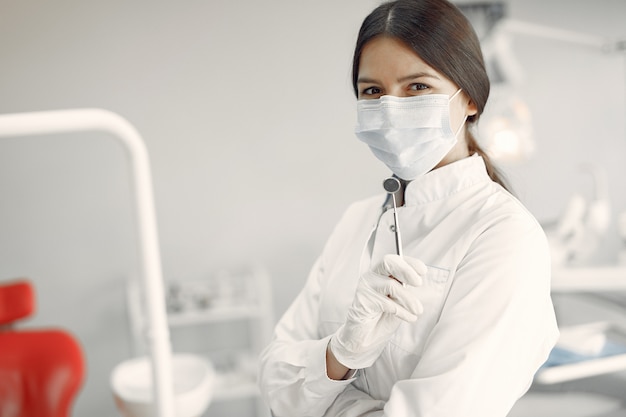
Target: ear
[(472, 109)]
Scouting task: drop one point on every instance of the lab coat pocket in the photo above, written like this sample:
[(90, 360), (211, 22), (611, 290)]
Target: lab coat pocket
[(328, 327), (333, 311), (411, 337)]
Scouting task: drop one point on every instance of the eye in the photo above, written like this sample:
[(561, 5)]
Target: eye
[(418, 87), (371, 92)]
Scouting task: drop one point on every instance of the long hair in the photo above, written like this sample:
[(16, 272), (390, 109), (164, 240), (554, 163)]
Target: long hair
[(443, 37)]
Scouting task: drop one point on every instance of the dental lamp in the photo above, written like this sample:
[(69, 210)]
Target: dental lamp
[(507, 121), (65, 121)]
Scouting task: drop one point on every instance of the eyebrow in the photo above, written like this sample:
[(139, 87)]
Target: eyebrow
[(402, 79)]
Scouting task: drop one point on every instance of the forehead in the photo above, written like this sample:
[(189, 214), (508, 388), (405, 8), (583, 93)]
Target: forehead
[(386, 54)]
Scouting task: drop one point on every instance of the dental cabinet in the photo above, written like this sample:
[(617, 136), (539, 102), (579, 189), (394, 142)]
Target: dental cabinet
[(227, 317), (592, 348)]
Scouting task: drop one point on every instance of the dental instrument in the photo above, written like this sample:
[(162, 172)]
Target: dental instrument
[(392, 185)]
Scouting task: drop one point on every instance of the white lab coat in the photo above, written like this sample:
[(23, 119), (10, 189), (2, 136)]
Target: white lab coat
[(488, 321)]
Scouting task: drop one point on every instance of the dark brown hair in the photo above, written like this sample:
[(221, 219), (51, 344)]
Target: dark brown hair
[(443, 37)]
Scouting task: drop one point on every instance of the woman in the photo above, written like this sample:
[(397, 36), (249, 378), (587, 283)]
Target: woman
[(457, 325)]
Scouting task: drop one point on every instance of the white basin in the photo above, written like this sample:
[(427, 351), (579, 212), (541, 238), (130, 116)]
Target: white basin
[(193, 378)]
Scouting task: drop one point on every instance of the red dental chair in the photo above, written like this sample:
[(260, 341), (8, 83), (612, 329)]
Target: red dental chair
[(41, 370)]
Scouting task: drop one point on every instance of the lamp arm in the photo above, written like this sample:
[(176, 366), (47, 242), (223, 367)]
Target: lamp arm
[(547, 32), (61, 121)]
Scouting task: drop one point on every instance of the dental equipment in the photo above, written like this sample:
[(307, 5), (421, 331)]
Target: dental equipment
[(392, 185), (157, 332)]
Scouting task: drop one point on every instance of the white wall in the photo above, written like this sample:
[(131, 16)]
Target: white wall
[(247, 112)]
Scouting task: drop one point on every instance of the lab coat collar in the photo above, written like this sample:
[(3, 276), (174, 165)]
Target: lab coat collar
[(446, 180)]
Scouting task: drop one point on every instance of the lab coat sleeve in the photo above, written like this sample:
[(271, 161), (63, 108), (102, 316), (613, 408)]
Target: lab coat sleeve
[(355, 403), (292, 370), (496, 329)]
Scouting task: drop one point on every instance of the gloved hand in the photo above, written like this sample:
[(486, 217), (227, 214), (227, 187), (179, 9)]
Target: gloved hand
[(380, 304)]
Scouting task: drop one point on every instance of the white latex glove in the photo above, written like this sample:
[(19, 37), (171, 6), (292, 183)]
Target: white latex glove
[(380, 304)]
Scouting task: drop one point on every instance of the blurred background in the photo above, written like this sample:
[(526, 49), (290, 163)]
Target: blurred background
[(247, 112)]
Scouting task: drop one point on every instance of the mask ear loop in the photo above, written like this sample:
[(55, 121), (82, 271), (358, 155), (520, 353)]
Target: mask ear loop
[(455, 94), (466, 116), (460, 127)]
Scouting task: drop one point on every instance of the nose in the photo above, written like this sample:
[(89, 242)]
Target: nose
[(396, 91)]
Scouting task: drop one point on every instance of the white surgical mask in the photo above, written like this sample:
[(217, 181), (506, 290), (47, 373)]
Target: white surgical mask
[(410, 135)]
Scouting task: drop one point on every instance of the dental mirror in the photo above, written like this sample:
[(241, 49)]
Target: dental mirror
[(392, 185)]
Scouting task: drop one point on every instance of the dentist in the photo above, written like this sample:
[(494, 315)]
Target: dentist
[(458, 325)]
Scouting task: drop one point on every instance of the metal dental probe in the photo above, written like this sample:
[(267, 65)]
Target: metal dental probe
[(392, 185)]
